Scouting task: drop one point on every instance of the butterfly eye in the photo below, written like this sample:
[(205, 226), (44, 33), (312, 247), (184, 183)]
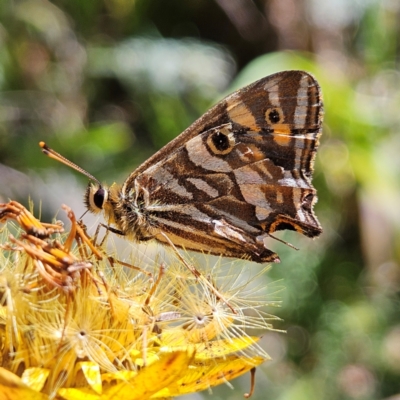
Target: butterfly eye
[(95, 197), (220, 142), (99, 197), (274, 115)]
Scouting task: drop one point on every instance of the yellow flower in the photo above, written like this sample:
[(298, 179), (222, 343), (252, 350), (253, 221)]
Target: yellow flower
[(76, 323)]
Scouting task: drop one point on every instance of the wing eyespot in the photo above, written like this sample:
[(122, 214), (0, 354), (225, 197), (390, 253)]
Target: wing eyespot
[(274, 116), (220, 143)]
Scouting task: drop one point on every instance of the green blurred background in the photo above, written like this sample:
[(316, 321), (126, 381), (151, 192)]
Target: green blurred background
[(108, 82)]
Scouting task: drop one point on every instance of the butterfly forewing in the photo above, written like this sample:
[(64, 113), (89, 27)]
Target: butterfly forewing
[(239, 173)]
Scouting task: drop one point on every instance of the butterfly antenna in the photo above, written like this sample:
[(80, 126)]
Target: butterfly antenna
[(56, 156), (283, 241)]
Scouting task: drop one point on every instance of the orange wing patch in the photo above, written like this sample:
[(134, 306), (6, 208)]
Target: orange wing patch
[(282, 134), (238, 112)]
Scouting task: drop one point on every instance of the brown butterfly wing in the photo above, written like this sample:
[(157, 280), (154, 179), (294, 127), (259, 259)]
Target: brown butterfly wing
[(240, 172)]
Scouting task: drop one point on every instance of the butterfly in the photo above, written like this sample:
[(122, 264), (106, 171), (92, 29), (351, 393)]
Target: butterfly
[(238, 174)]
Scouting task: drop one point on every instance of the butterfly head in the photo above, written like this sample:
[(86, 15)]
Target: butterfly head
[(103, 199)]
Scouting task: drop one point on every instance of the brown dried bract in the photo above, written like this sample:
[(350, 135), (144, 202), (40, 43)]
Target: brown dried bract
[(31, 225)]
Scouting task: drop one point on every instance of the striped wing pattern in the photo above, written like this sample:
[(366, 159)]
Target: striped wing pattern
[(235, 176)]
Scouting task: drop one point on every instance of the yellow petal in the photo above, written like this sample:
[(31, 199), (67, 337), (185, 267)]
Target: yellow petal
[(91, 371), (12, 388), (220, 348), (203, 376), (78, 394), (119, 375), (35, 378), (149, 380)]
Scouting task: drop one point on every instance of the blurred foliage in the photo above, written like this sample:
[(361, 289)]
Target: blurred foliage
[(109, 82)]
